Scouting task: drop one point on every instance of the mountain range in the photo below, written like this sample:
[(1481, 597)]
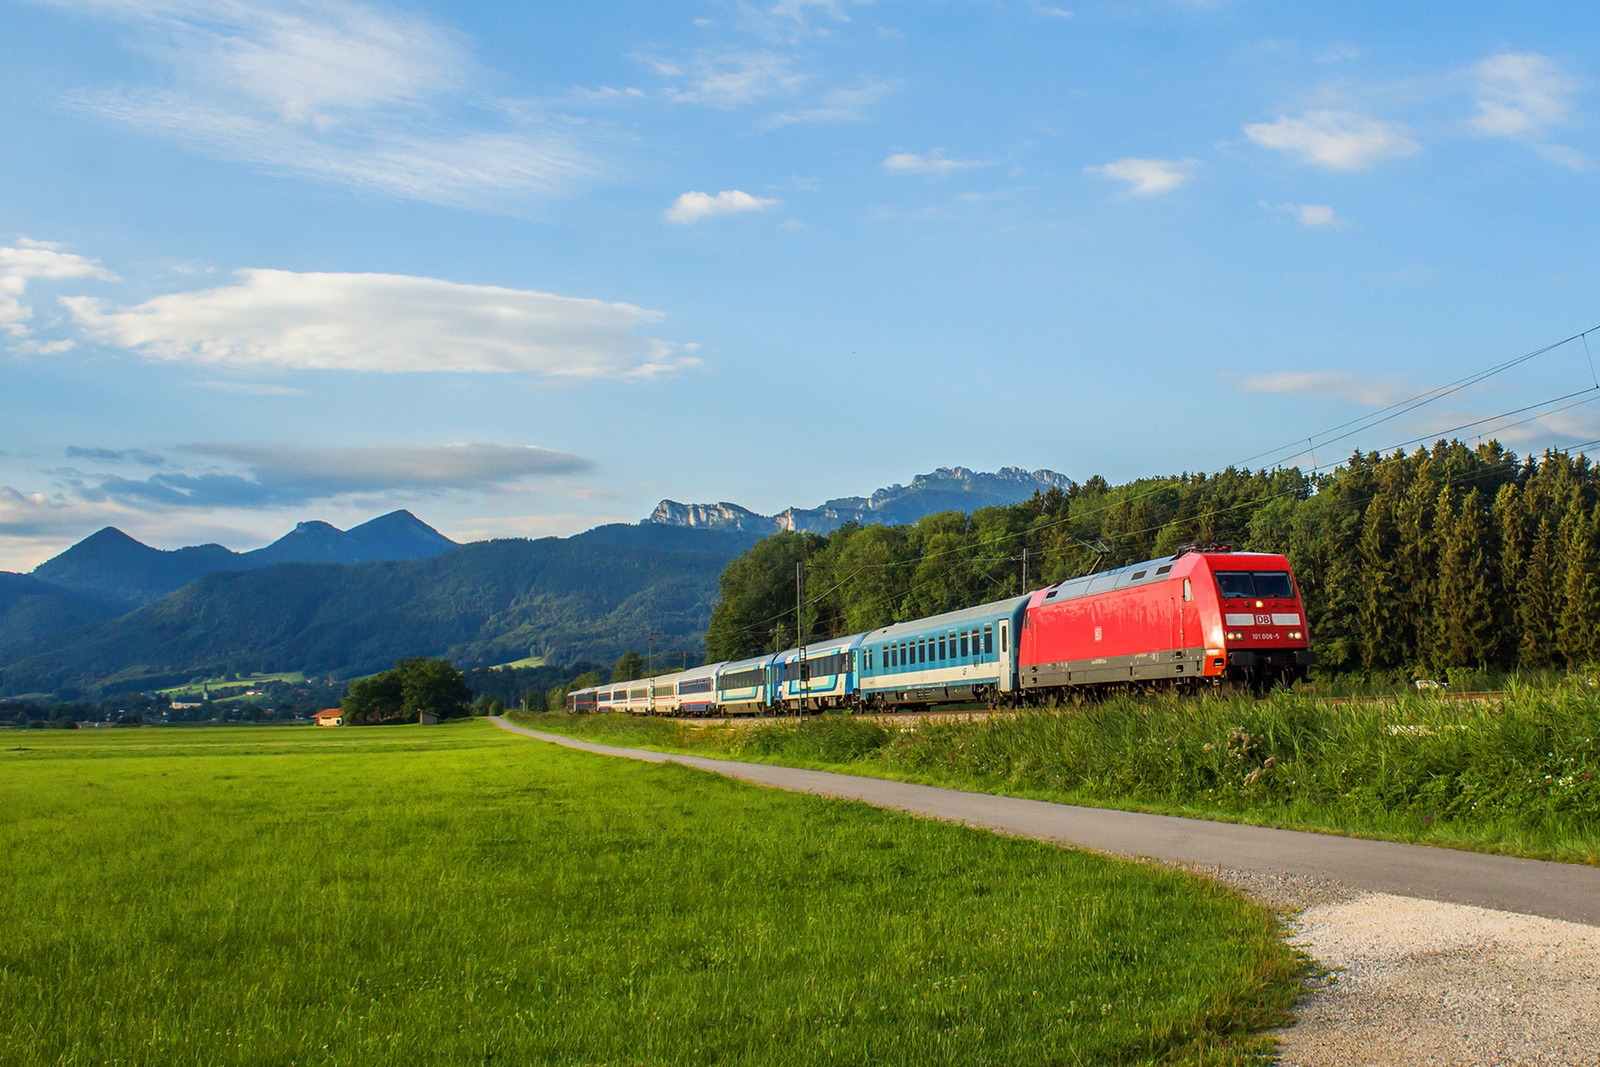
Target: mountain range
[(946, 489), (111, 566), (111, 614)]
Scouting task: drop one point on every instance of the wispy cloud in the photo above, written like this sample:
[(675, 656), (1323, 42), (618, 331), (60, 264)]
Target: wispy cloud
[(387, 323), (30, 260), (1522, 95), (1326, 383), (1310, 214), (335, 91), (266, 476), (935, 162), (1339, 140), (692, 207), (117, 455), (727, 79), (837, 105), (1146, 177), (247, 388)]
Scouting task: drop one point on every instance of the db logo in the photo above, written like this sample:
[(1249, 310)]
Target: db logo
[(1263, 620)]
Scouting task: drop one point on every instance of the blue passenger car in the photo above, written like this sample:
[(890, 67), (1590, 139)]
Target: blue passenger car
[(745, 687), (829, 680), (952, 658)]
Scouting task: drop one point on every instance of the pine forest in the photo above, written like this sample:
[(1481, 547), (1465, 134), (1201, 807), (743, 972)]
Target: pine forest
[(1453, 557)]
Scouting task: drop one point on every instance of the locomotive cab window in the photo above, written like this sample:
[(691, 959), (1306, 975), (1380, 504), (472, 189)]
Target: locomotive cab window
[(1235, 584), (1188, 591), (1272, 584), (1262, 584)]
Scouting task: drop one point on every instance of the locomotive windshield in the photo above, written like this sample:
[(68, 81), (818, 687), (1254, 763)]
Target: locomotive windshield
[(1262, 584)]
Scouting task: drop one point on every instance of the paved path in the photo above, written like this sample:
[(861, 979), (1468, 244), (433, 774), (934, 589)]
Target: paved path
[(1565, 891)]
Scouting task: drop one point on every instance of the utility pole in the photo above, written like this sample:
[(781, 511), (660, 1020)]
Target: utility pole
[(1024, 568), (800, 631)]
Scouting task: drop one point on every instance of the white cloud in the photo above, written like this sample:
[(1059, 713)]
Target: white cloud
[(935, 162), (1339, 140), (1315, 215), (1521, 95), (692, 207), (1148, 177), (28, 260), (1326, 383), (468, 169), (838, 105), (730, 79), (335, 91), (1566, 156), (1311, 214), (384, 322)]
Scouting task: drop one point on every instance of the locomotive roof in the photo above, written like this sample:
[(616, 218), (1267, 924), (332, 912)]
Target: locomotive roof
[(1146, 572)]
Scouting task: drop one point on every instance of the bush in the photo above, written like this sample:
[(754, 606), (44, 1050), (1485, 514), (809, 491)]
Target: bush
[(400, 695)]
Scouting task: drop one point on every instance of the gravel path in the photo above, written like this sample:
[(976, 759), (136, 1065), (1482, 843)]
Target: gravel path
[(1423, 976)]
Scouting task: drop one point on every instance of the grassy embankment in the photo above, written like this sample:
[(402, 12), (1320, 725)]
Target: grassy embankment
[(1519, 775), (454, 894)]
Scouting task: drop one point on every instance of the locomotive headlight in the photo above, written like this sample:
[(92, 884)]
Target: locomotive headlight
[(1235, 635), (1296, 635)]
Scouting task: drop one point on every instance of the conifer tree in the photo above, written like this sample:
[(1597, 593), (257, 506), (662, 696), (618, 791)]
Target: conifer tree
[(1464, 605), (1378, 607), (1509, 521), (1538, 604), (1414, 558), (1580, 615)]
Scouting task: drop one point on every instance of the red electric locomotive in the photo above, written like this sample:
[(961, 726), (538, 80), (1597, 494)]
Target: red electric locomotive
[(1208, 617)]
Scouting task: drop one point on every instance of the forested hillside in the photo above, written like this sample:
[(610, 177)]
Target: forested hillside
[(483, 603), (1451, 556)]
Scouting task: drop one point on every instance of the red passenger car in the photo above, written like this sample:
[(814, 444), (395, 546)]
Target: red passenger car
[(1205, 618)]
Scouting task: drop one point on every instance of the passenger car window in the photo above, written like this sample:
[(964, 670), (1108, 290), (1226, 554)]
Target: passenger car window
[(964, 642), (988, 640)]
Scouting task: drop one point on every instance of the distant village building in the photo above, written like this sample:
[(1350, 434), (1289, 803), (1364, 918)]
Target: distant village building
[(328, 717)]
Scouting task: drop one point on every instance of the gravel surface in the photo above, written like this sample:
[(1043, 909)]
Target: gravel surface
[(1417, 982)]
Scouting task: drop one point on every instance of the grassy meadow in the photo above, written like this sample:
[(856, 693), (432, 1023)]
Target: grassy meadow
[(454, 894), (1519, 774)]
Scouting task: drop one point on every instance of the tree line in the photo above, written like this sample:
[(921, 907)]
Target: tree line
[(1450, 556)]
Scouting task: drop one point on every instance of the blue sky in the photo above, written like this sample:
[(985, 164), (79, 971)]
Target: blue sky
[(524, 268)]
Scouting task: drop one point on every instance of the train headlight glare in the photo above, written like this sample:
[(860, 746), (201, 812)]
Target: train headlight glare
[(1296, 635), (1234, 635)]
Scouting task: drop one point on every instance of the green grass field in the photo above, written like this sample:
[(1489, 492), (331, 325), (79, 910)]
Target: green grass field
[(1519, 775), (455, 894), (194, 688)]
